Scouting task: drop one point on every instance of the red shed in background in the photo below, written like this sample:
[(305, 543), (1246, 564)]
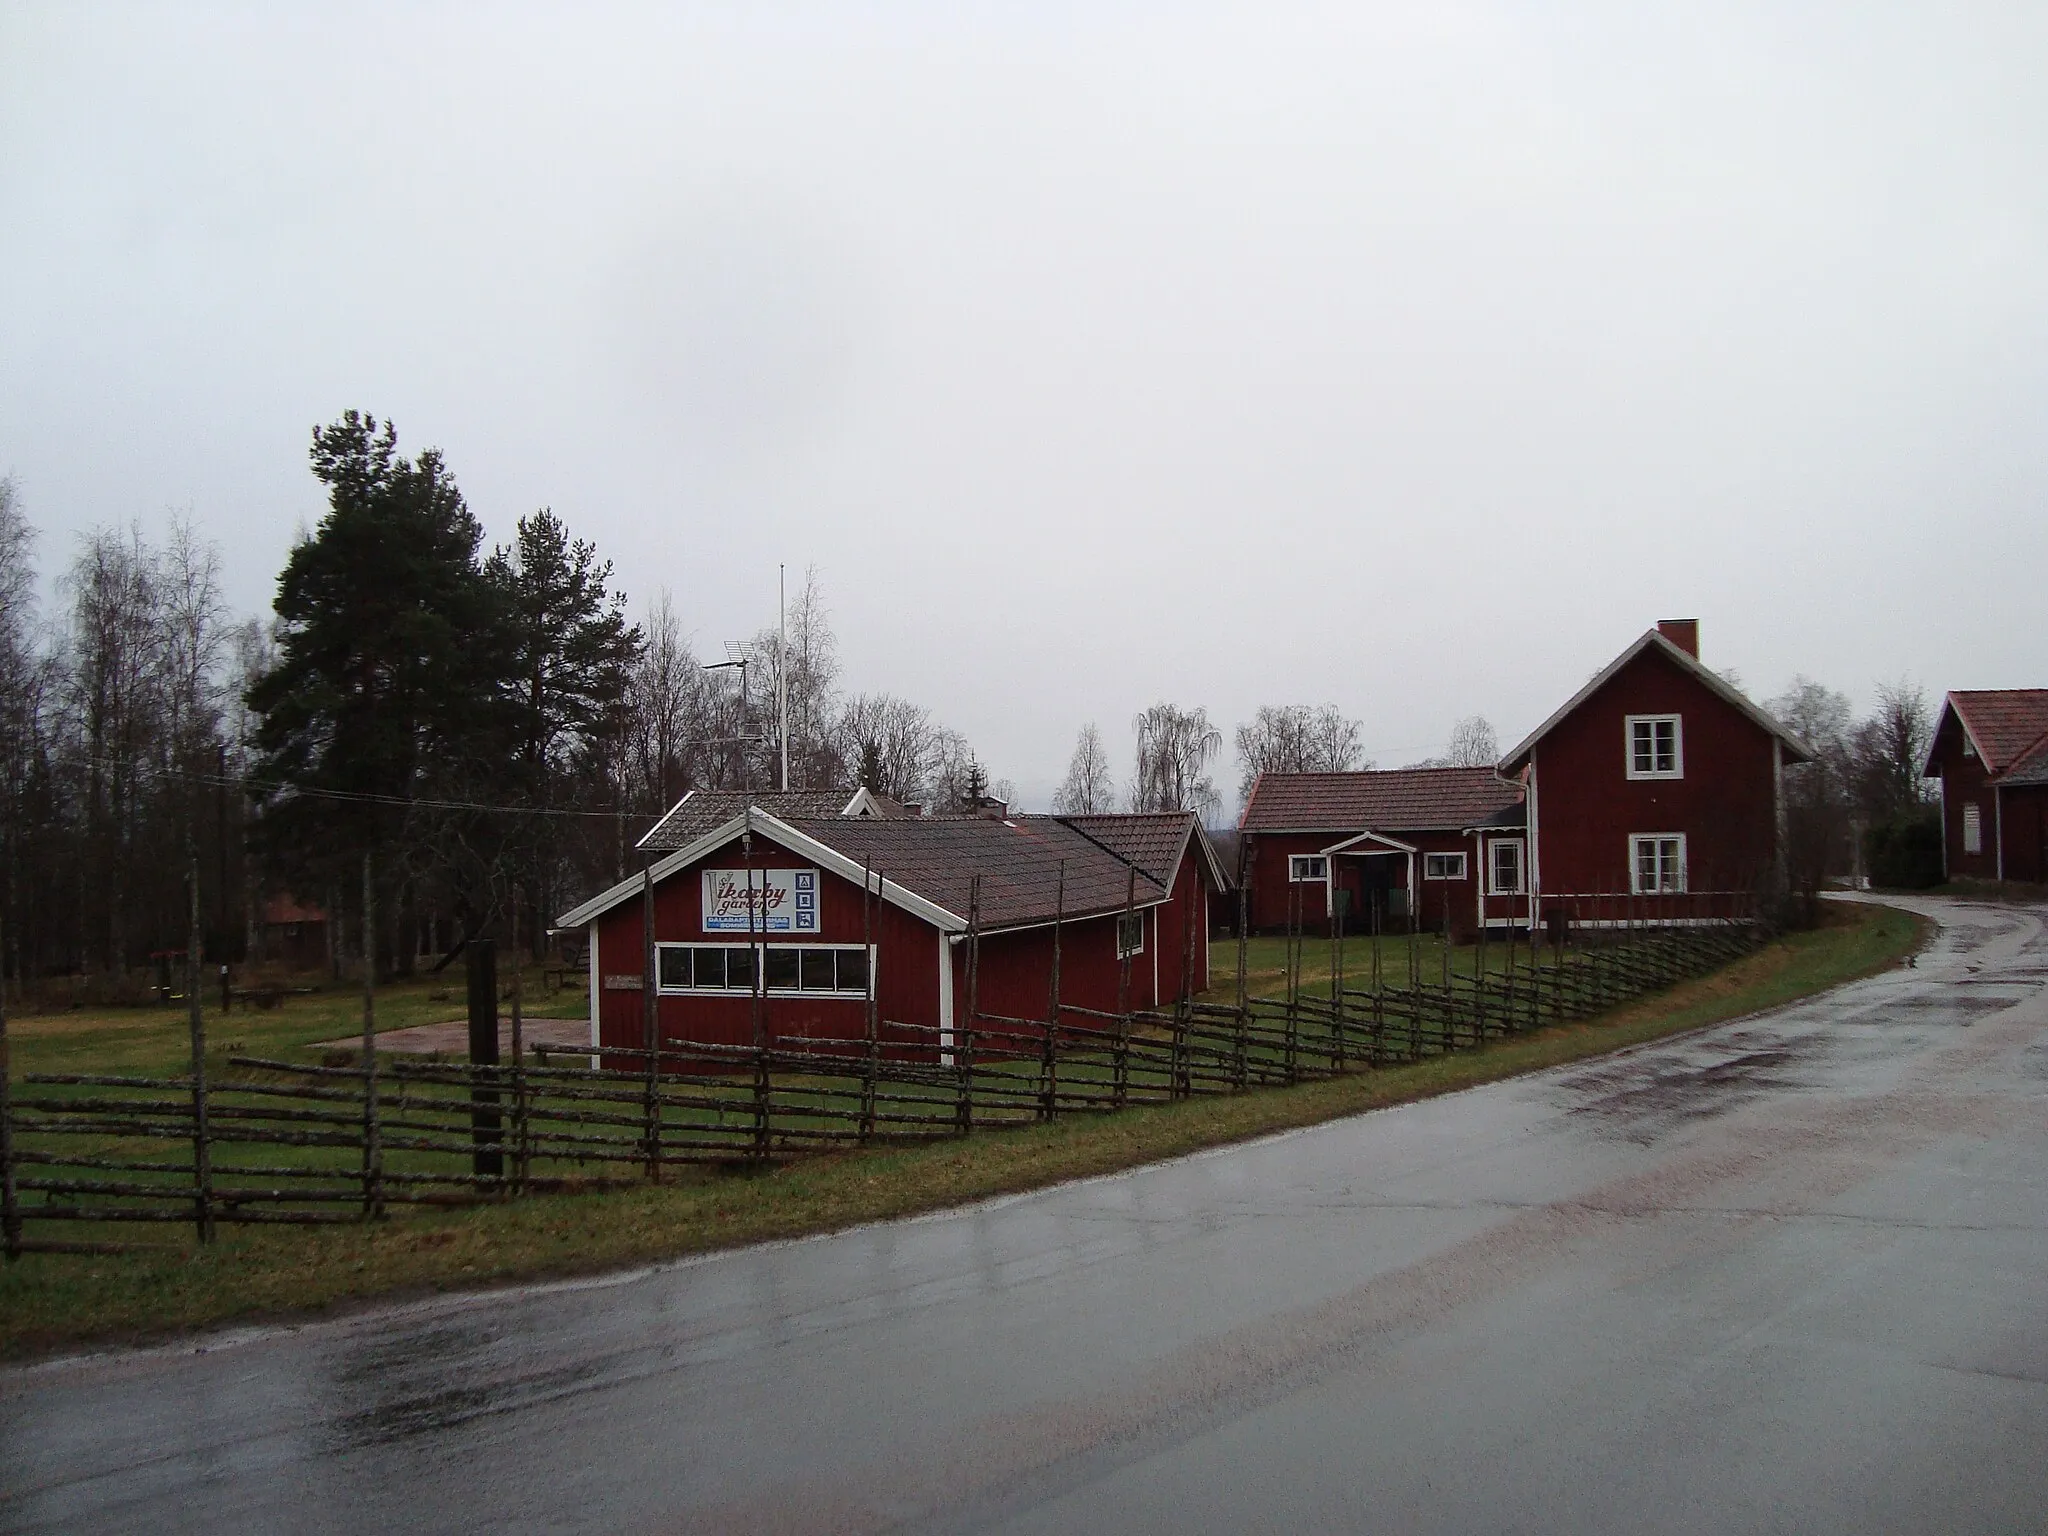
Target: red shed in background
[(802, 926), (1658, 779), (1990, 751), (1444, 844)]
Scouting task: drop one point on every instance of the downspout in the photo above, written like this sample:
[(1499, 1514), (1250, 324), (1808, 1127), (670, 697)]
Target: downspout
[(1534, 878)]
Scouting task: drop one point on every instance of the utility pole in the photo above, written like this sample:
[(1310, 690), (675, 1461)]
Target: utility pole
[(782, 665)]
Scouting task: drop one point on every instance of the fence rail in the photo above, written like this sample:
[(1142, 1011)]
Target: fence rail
[(279, 1142)]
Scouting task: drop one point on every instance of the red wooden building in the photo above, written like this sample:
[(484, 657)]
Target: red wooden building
[(793, 923), (1445, 844), (1659, 780), (1990, 751)]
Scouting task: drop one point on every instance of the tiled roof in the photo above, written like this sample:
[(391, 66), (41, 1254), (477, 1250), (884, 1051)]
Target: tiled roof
[(2009, 726), (1152, 840), (2031, 769), (702, 809), (1395, 800), (1019, 861)]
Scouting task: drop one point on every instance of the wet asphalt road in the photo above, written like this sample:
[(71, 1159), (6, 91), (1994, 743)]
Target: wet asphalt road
[(1787, 1274)]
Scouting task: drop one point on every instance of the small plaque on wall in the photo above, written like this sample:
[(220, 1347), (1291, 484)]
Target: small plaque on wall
[(614, 983)]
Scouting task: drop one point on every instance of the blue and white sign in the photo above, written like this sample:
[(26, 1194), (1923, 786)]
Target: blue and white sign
[(781, 901)]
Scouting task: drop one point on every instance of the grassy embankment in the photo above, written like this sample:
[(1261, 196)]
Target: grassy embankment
[(52, 1301)]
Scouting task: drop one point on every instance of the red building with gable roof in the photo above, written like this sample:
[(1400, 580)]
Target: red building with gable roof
[(1990, 751), (1658, 779), (795, 924), (1445, 844)]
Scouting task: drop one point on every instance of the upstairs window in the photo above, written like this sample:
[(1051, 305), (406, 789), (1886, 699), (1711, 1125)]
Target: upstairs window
[(1307, 866), (1130, 934), (1443, 866), (1656, 747), (1973, 828), (1505, 871), (1657, 863)]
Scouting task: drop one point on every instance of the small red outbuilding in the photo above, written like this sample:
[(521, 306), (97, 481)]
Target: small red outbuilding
[(791, 926), (1990, 751)]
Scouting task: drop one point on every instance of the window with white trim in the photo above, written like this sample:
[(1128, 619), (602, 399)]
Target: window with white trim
[(1504, 866), (1656, 747), (1307, 866), (1130, 934), (1443, 866), (787, 970), (1973, 827), (1656, 863)]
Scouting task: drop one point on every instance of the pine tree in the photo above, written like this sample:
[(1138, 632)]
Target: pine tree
[(386, 638)]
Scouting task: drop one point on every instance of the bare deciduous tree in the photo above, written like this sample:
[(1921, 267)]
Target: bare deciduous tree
[(1175, 748), (1090, 784), (1889, 749), (1473, 744), (1296, 738)]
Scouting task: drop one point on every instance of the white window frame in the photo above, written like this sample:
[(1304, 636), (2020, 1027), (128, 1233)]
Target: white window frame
[(1635, 868), (761, 970), (1308, 868), (1521, 883), (1973, 828), (1452, 866), (1628, 746), (1137, 921)]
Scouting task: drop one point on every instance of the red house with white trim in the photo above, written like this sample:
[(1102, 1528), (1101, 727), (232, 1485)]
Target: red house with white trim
[(793, 926), (1447, 845), (1990, 751), (1658, 779)]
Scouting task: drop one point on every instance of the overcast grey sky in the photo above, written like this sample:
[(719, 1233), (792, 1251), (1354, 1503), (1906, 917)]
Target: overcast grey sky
[(1411, 357)]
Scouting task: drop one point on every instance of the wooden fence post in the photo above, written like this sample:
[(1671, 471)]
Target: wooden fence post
[(1048, 1061), (963, 1039), (486, 1127), (202, 1146), (521, 1151), (1120, 1067), (1241, 1047), (373, 1143), (872, 1019), (650, 1017), (10, 1207), (763, 1105)]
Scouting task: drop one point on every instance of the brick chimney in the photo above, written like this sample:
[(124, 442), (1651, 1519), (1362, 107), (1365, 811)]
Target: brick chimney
[(1683, 633)]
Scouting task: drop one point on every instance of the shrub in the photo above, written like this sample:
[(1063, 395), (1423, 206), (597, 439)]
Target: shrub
[(1904, 850)]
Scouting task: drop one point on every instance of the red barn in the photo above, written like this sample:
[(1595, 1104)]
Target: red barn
[(1656, 779), (1990, 751), (1445, 844), (798, 922)]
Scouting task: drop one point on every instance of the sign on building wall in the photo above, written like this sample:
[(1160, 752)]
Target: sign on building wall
[(784, 901)]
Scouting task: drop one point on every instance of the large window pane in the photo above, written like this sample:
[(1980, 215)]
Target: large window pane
[(815, 966), (707, 967), (853, 970), (674, 963), (739, 968), (781, 975)]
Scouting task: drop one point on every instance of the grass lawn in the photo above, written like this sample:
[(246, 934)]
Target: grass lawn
[(50, 1301)]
